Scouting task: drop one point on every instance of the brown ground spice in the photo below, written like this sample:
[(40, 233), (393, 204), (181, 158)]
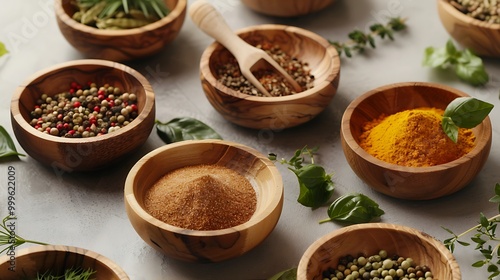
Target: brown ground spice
[(202, 197), (414, 138)]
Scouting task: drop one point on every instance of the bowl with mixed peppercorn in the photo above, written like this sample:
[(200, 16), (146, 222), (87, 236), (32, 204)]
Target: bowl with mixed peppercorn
[(310, 59), (473, 24), (377, 251), (287, 8), (58, 262), (83, 115), (120, 30), (396, 138), (204, 200)]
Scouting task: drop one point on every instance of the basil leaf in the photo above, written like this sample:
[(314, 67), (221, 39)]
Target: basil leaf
[(3, 49), (289, 274), (436, 57), (180, 129), (470, 68), (449, 128), (316, 186), (354, 209), (7, 147), (467, 112)]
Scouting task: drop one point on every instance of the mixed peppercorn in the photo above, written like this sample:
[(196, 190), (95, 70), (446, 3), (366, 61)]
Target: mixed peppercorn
[(84, 111), (230, 75), (377, 267)]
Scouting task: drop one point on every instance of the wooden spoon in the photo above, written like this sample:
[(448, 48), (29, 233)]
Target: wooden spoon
[(250, 58)]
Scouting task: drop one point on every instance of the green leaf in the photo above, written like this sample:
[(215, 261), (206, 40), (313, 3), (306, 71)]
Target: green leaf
[(3, 49), (470, 68), (436, 58), (289, 274), (316, 186), (478, 264), (467, 112), (449, 128), (7, 147), (353, 208), (180, 129)]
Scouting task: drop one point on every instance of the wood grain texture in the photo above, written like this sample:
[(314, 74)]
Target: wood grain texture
[(120, 45), (57, 258), (205, 246), (368, 239), (413, 183), (287, 8), (481, 37), (82, 154), (274, 113)]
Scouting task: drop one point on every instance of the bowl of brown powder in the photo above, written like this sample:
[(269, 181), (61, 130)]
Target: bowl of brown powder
[(204, 200), (309, 58), (393, 140)]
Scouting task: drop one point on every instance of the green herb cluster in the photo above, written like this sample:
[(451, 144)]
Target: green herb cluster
[(316, 188), (69, 274), (464, 112), (487, 243), (10, 240), (467, 66), (360, 40), (180, 129), (147, 7)]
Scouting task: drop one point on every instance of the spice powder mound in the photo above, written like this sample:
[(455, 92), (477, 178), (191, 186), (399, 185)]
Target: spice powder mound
[(202, 197), (414, 138)]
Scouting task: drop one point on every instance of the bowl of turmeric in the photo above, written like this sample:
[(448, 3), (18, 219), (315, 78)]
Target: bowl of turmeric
[(393, 139), (204, 200)]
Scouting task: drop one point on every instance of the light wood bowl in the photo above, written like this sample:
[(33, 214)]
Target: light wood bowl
[(413, 183), (369, 239), (57, 258), (211, 245), (281, 112), (120, 45), (287, 8), (82, 154), (481, 37)]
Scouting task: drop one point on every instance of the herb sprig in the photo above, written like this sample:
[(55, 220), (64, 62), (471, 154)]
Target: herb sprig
[(464, 112), (487, 243), (9, 238), (353, 209), (360, 40), (147, 7), (467, 66), (185, 128), (316, 186), (69, 274)]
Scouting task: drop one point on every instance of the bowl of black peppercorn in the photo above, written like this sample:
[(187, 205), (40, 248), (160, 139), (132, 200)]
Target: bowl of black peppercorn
[(83, 115)]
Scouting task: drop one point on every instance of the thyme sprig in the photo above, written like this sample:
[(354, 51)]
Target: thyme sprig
[(360, 40), (9, 238), (147, 7), (69, 274), (487, 243)]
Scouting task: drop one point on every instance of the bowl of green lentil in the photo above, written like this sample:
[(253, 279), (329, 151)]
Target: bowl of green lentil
[(310, 59), (204, 200), (474, 24), (126, 38), (83, 115), (377, 251)]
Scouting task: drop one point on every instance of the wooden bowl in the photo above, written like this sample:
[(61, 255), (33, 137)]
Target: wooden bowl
[(481, 37), (120, 45), (413, 183), (281, 112), (287, 8), (57, 258), (82, 154), (209, 245), (369, 239)]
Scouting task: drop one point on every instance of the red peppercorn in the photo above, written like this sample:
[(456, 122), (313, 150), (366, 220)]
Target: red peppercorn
[(133, 107), (71, 132), (101, 97), (59, 126), (66, 126), (77, 104), (97, 108)]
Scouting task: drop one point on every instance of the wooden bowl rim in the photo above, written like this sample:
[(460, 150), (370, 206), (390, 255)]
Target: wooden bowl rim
[(329, 50), (304, 261), (454, 12), (174, 14), (134, 205), (105, 261), (148, 106), (356, 148)]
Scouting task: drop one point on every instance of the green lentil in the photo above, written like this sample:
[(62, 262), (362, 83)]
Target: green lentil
[(377, 267)]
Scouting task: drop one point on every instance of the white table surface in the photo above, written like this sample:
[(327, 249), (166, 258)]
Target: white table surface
[(88, 211)]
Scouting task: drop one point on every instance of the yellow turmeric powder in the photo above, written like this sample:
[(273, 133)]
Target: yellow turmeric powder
[(414, 138)]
